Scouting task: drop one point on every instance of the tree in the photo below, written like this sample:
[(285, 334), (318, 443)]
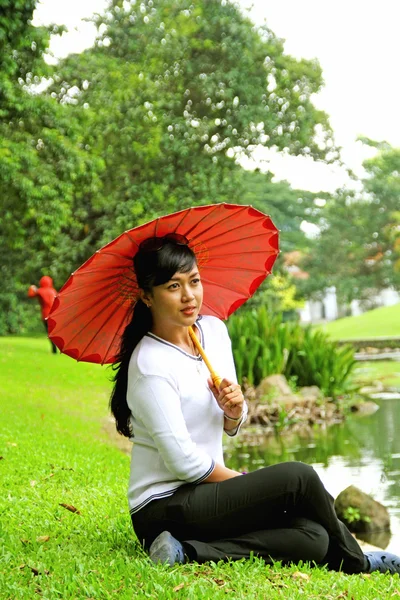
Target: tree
[(147, 122), (42, 163), (288, 207), (172, 90), (358, 249), (383, 187), (337, 255)]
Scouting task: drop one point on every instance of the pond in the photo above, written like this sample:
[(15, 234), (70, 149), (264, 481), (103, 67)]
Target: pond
[(364, 451)]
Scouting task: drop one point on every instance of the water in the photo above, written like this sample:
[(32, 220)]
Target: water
[(364, 451)]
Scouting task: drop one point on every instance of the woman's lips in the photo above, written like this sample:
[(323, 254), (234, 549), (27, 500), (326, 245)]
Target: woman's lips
[(189, 310)]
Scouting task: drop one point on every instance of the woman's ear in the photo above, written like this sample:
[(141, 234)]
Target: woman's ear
[(145, 298)]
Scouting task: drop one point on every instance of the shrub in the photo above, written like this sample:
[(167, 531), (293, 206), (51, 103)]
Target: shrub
[(263, 344)]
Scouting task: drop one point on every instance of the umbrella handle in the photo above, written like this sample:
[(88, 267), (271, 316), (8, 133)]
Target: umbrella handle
[(216, 379)]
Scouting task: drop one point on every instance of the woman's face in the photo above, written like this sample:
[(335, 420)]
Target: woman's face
[(178, 301)]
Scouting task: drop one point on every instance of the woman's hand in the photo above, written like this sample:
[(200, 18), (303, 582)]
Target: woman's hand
[(229, 397)]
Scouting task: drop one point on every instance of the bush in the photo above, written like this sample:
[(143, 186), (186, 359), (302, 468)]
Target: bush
[(263, 344), (19, 314), (319, 361)]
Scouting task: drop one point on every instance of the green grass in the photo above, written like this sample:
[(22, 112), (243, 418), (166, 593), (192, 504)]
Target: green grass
[(54, 451), (380, 322)]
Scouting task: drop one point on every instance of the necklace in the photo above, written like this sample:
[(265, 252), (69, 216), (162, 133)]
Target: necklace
[(195, 353), (193, 349)]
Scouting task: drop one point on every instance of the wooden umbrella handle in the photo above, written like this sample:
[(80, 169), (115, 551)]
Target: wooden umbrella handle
[(216, 379)]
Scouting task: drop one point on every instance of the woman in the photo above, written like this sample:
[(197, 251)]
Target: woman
[(185, 504)]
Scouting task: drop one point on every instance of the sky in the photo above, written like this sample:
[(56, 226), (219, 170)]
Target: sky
[(358, 46)]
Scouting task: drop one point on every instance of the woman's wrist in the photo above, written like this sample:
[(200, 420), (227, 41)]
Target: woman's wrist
[(237, 420)]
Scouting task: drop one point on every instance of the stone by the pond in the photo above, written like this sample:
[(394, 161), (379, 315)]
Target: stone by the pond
[(276, 388), (294, 413), (365, 408), (272, 386), (311, 392), (379, 539), (374, 516), (273, 405)]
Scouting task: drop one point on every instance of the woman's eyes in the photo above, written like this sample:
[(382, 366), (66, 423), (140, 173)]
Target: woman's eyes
[(175, 286)]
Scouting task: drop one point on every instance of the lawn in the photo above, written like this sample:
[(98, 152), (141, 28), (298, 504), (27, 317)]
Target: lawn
[(64, 523), (380, 322)]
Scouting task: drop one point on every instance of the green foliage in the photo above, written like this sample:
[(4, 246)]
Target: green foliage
[(358, 249), (145, 123), (210, 64), (264, 345), (279, 293), (288, 207), (259, 344), (43, 165), (18, 313), (21, 44), (338, 256), (316, 360), (353, 515), (383, 184), (169, 92)]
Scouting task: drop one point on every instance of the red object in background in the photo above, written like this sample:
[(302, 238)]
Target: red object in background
[(235, 246), (45, 294)]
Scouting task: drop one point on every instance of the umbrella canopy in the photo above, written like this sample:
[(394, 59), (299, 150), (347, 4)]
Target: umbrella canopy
[(235, 246)]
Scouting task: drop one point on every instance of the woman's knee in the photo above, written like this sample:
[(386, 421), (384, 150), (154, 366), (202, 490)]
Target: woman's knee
[(301, 468), (301, 471), (305, 481)]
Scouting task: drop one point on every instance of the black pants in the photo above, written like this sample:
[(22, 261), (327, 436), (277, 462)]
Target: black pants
[(281, 512), (53, 346)]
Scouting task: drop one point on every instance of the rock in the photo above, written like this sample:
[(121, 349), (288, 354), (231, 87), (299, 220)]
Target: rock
[(249, 392), (289, 401), (365, 408), (311, 392), (361, 512), (375, 543), (273, 385), (294, 413), (371, 350), (377, 539), (274, 406)]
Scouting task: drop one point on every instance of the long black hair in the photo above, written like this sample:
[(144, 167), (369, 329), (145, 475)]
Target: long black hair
[(151, 268)]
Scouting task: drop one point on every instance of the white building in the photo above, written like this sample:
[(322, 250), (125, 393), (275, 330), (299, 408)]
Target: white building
[(327, 309)]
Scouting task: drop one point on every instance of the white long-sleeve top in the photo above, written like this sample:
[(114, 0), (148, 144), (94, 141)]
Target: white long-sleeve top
[(176, 422)]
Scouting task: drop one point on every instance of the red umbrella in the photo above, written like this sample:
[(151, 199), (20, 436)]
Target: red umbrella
[(235, 247)]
